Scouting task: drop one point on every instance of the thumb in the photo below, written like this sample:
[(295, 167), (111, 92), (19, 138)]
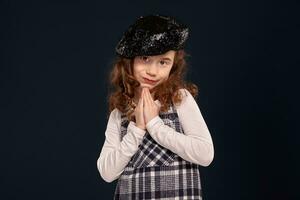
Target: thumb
[(157, 102)]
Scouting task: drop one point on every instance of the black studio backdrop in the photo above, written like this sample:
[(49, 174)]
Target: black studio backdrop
[(55, 59)]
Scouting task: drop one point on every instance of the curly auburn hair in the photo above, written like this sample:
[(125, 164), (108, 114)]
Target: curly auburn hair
[(124, 85)]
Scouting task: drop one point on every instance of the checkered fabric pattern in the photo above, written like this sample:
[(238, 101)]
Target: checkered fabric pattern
[(155, 172)]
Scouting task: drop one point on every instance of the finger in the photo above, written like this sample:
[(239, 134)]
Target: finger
[(139, 106), (142, 100), (146, 102), (149, 98), (139, 103), (140, 111), (146, 92), (157, 103), (142, 108)]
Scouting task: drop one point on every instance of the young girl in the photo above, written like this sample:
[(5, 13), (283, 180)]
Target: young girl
[(156, 137)]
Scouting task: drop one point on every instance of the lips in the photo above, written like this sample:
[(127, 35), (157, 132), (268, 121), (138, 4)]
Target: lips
[(149, 81)]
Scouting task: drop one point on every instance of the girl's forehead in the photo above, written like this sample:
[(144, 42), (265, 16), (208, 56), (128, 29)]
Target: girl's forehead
[(167, 55)]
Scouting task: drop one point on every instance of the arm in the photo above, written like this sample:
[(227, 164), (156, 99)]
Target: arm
[(196, 144), (115, 154)]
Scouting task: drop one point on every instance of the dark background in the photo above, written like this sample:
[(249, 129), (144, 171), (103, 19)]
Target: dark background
[(55, 59)]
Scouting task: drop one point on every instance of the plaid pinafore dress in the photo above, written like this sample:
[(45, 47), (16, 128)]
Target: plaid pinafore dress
[(155, 172)]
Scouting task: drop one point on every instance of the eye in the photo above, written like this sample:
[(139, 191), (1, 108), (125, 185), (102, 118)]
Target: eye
[(163, 62), (144, 58)]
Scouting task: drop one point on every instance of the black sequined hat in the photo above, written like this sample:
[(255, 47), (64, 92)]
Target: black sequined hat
[(152, 35)]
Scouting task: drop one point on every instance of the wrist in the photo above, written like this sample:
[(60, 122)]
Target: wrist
[(149, 125), (136, 129), (141, 127)]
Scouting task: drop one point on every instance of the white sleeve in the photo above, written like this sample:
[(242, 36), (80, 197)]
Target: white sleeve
[(195, 145), (115, 154)]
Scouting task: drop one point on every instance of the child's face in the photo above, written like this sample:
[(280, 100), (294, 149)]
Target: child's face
[(154, 68)]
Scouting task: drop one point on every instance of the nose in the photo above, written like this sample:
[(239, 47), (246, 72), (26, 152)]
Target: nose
[(151, 70)]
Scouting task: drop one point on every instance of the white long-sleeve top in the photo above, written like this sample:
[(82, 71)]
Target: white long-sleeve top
[(195, 145)]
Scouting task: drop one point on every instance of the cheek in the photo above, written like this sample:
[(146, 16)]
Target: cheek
[(166, 74), (137, 70)]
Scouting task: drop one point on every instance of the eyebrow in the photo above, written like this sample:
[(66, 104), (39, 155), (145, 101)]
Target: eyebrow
[(167, 59)]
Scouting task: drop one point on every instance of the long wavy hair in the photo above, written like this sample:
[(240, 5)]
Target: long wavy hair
[(124, 85)]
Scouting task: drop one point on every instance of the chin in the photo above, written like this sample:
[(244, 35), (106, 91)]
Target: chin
[(146, 85), (150, 87)]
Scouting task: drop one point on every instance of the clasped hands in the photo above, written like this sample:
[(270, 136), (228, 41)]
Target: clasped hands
[(146, 109)]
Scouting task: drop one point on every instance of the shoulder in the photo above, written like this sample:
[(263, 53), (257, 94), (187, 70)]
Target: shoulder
[(185, 94), (184, 91), (114, 122), (115, 115), (187, 99)]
